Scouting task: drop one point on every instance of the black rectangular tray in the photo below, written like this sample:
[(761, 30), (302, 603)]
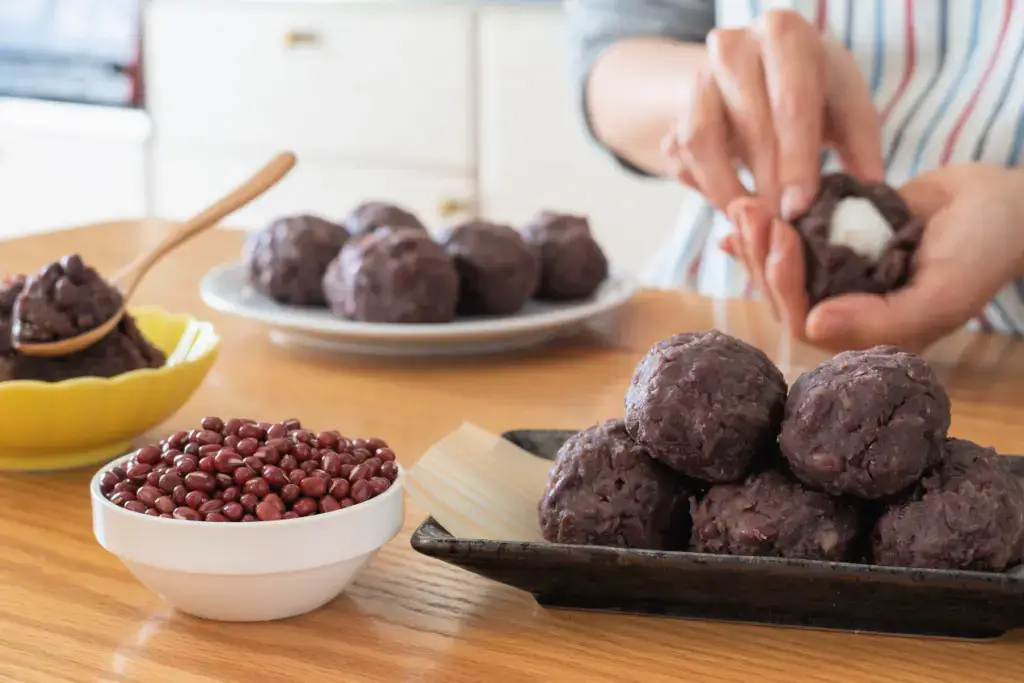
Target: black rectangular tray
[(807, 593)]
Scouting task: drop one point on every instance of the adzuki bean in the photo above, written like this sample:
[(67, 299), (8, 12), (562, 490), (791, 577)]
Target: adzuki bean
[(195, 499), (290, 493), (248, 501), (233, 511), (339, 488), (241, 470), (179, 494)]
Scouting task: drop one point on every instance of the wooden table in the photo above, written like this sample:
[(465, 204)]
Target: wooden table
[(69, 611)]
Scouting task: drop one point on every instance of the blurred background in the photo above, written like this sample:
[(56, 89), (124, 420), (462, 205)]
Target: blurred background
[(114, 109)]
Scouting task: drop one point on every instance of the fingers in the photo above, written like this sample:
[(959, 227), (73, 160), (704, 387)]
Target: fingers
[(674, 164), (734, 57), (794, 68), (854, 126), (933, 191), (784, 274), (755, 223), (923, 198), (732, 245), (702, 147), (728, 245), (908, 318), (773, 256)]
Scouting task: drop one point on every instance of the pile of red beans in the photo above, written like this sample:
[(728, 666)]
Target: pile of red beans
[(241, 470)]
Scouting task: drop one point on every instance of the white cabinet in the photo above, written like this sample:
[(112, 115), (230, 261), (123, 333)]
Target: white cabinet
[(378, 84), (188, 178), (423, 103), (63, 165), (376, 99), (534, 151)]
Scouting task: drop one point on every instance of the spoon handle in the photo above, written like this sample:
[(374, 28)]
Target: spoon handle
[(264, 179)]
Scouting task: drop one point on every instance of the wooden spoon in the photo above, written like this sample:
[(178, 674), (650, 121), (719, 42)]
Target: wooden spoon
[(128, 280)]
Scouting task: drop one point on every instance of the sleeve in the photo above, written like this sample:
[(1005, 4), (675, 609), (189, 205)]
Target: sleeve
[(594, 25)]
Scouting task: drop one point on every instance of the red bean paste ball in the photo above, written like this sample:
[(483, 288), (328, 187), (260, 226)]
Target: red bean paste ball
[(123, 350), (287, 259), (770, 515), (572, 263), (63, 300), (393, 276), (968, 514), (833, 269), (706, 404), (10, 288), (241, 470), (606, 490), (370, 216), (498, 270), (865, 423)]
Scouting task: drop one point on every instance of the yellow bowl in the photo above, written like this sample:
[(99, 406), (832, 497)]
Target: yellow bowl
[(57, 425)]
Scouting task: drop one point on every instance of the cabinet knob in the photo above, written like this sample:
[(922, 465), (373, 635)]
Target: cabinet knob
[(451, 206), (301, 38)]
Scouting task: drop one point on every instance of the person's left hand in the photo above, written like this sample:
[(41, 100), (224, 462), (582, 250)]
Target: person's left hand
[(973, 244)]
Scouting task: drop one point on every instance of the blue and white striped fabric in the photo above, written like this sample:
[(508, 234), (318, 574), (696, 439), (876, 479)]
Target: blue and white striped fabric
[(945, 75)]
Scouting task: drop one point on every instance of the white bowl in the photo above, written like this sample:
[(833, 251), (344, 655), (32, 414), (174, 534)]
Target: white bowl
[(248, 571)]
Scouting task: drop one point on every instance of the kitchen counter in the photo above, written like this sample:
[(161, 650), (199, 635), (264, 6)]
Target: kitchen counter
[(70, 611)]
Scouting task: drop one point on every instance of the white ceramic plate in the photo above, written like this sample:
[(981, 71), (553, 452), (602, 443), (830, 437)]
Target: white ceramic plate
[(226, 289)]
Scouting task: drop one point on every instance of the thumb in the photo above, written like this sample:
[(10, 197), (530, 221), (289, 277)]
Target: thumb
[(936, 302), (908, 318), (927, 194)]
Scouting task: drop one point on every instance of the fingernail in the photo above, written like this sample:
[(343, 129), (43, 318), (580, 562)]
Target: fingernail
[(794, 202)]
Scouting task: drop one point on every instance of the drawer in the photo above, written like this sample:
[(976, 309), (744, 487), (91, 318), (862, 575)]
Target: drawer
[(187, 179), (388, 84)]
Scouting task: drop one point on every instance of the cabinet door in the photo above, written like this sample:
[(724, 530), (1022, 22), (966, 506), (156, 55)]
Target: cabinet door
[(186, 179), (533, 149), (65, 165), (383, 84)]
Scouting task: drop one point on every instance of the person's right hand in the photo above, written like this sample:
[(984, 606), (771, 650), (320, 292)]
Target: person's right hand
[(773, 96), (972, 245)]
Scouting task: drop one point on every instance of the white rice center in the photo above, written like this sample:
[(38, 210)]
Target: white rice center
[(858, 225)]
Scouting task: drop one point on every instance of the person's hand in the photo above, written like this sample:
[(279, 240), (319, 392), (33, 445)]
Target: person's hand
[(973, 244), (771, 251), (773, 96)]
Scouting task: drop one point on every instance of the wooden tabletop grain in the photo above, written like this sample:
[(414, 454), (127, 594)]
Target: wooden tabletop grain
[(69, 611)]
